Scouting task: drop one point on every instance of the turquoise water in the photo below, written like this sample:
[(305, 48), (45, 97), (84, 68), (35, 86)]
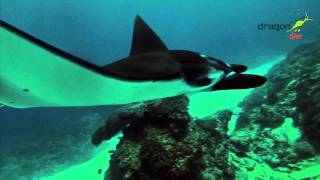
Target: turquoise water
[(100, 31), (54, 143)]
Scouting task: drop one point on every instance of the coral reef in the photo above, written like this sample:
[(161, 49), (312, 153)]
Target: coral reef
[(279, 125), (292, 91), (277, 134), (165, 144)]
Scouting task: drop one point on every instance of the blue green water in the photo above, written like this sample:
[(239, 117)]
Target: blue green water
[(100, 32)]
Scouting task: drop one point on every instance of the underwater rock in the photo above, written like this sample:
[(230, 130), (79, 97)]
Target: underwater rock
[(263, 146), (169, 113), (216, 125), (117, 122), (304, 150), (166, 144), (292, 91)]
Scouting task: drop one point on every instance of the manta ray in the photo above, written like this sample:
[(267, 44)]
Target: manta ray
[(34, 73)]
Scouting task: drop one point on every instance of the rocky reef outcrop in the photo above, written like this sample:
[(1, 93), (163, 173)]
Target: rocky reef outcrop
[(292, 91), (277, 132), (165, 144)]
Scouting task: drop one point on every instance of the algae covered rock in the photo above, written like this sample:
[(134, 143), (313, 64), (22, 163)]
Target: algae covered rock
[(165, 144), (117, 122), (292, 91)]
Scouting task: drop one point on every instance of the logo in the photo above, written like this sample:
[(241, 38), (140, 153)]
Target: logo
[(296, 29), (274, 27)]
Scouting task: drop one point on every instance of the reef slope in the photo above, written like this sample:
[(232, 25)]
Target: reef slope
[(277, 134)]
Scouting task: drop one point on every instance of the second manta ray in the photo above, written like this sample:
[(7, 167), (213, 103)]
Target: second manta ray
[(34, 73)]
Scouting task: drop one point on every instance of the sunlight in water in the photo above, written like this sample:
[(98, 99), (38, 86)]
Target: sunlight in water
[(89, 170)]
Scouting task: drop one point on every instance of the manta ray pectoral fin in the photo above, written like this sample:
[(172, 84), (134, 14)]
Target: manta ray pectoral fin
[(145, 39), (34, 73), (51, 50), (240, 81), (238, 68)]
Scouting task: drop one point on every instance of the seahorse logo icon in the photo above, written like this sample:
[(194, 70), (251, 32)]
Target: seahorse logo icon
[(299, 23)]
